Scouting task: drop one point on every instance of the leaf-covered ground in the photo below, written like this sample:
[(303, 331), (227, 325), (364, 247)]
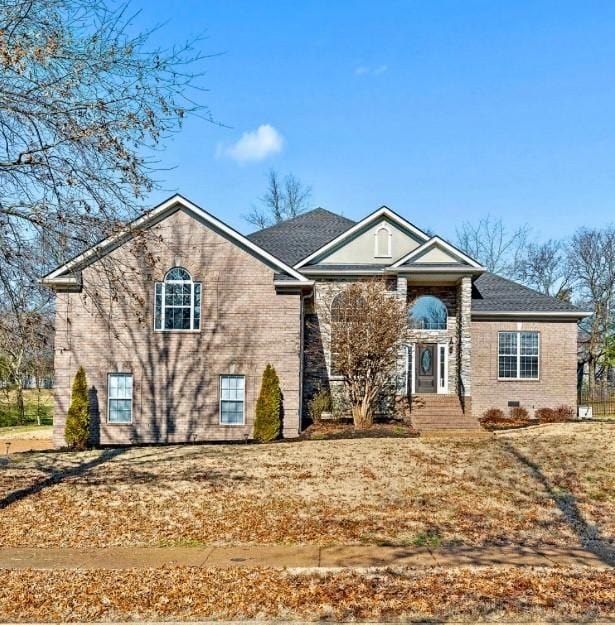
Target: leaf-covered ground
[(188, 593), (551, 485)]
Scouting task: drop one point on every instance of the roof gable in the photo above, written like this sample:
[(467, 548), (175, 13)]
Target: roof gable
[(148, 219), (358, 244), (437, 251)]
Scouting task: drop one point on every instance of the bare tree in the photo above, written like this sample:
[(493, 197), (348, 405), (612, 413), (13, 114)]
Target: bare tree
[(592, 258), (26, 335), (546, 268), (284, 199), (81, 101), (367, 325), (83, 105), (492, 244)]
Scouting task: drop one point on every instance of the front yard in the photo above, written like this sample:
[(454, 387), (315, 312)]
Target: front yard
[(551, 485), (177, 593)]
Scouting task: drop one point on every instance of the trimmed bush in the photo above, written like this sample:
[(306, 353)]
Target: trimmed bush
[(320, 402), (565, 413), (77, 428), (493, 415), (268, 422), (557, 415), (518, 413), (546, 415)]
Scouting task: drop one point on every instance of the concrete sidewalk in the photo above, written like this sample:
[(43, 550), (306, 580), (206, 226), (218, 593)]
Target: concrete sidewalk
[(306, 556)]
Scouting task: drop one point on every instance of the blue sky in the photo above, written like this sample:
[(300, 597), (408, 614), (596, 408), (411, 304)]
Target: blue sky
[(444, 111)]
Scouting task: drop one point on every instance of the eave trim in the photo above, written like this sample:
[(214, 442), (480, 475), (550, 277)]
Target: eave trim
[(383, 211), (106, 245)]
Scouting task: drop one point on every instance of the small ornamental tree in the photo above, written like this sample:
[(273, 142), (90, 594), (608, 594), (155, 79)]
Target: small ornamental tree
[(268, 422), (77, 428), (367, 327)]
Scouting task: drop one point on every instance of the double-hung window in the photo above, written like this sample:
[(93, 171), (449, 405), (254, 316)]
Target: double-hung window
[(232, 399), (518, 355), (119, 386), (177, 302)]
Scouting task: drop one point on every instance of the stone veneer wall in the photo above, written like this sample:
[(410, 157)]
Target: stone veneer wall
[(464, 341), (317, 341), (558, 367), (245, 325), (317, 337)]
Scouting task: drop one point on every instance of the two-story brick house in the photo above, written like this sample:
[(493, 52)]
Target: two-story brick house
[(175, 318)]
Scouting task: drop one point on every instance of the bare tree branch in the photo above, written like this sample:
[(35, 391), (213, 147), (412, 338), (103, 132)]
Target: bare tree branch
[(493, 245), (283, 200)]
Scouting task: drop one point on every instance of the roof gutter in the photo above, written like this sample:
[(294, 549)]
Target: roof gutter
[(304, 285), (410, 270), (347, 272), (69, 281)]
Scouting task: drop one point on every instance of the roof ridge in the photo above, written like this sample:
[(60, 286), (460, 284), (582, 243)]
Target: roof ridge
[(316, 209)]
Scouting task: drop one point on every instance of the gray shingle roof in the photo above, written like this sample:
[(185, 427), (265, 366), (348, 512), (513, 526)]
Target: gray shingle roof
[(294, 239), (345, 267), (492, 293)]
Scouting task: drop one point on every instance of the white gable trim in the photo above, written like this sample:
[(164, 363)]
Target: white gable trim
[(106, 245), (383, 211), (442, 244)]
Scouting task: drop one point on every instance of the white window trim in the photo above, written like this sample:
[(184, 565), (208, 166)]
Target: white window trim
[(518, 378), (410, 367), (386, 228), (442, 387), (132, 393), (234, 375), (434, 331), (163, 307)]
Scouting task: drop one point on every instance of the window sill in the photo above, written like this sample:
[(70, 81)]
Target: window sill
[(177, 331), (114, 424), (518, 379)]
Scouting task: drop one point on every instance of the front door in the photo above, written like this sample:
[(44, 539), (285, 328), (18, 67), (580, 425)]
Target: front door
[(426, 368)]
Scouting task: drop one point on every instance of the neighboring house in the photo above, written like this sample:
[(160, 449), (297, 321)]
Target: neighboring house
[(174, 349)]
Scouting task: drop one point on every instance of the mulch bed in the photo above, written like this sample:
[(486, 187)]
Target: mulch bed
[(494, 425), (344, 429)]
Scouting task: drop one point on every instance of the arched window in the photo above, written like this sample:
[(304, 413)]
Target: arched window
[(177, 302), (428, 313), (382, 242), (345, 317)]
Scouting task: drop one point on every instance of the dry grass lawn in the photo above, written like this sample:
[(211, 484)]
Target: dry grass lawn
[(176, 593), (551, 485)]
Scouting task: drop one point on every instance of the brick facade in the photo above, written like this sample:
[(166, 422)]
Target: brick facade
[(245, 325), (558, 362)]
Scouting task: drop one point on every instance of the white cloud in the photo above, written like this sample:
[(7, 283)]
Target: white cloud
[(254, 145), (370, 70)]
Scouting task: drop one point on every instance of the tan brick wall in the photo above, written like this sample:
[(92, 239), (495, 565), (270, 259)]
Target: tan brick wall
[(245, 324), (558, 361)]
